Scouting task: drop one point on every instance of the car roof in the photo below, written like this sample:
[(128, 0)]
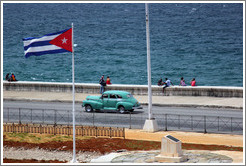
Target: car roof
[(118, 92)]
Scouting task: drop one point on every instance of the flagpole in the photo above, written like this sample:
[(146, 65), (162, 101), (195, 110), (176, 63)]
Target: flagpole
[(74, 145), (150, 124), (148, 62)]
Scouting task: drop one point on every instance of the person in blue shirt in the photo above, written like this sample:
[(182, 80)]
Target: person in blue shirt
[(166, 84)]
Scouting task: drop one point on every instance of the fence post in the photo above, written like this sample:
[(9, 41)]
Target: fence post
[(55, 122), (96, 131), (27, 129), (54, 129), (43, 116), (124, 132), (205, 130), (13, 127), (31, 115), (110, 132), (231, 124), (191, 117), (19, 116), (165, 122), (179, 121), (67, 117), (40, 129), (55, 117), (93, 117), (8, 115), (130, 120), (218, 123)]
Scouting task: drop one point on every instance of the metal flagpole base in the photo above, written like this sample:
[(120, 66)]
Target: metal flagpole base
[(150, 125), (74, 161)]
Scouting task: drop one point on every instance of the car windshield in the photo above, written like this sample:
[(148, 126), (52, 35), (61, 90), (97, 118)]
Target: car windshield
[(129, 95)]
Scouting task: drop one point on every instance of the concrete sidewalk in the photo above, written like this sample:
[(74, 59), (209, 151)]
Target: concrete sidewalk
[(183, 101)]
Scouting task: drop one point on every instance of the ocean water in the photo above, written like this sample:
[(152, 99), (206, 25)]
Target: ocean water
[(190, 40)]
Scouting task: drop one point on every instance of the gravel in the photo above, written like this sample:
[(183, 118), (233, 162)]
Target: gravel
[(193, 156), (40, 154)]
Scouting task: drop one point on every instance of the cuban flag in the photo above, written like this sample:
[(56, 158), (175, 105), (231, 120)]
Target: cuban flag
[(53, 43)]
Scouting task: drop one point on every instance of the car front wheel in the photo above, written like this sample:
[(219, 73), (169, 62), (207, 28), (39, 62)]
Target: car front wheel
[(122, 109), (88, 108)]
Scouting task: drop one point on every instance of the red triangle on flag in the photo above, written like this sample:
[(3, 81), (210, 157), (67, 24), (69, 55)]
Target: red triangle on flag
[(64, 40)]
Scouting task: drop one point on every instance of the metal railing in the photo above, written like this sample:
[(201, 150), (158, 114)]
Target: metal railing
[(200, 123), (135, 120)]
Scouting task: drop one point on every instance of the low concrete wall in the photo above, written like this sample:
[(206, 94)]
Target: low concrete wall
[(212, 91)]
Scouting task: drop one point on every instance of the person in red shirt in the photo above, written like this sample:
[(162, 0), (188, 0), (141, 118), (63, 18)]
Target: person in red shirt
[(108, 81), (193, 82)]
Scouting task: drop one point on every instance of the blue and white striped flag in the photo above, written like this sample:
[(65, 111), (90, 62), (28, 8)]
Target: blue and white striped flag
[(53, 43)]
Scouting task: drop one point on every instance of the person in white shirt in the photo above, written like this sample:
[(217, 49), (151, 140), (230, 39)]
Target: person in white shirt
[(166, 84)]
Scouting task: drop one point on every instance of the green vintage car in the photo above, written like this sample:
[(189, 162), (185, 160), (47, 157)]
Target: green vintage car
[(121, 101)]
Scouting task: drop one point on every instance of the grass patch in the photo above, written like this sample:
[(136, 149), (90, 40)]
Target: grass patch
[(137, 145), (38, 138)]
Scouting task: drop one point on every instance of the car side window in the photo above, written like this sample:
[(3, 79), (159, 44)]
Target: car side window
[(119, 97), (112, 96), (105, 96)]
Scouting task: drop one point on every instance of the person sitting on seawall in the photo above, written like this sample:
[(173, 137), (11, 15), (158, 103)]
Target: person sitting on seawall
[(167, 84), (160, 82), (108, 82), (13, 78), (182, 82), (7, 78), (193, 82)]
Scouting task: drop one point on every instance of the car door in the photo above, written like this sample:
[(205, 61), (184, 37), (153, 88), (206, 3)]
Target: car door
[(105, 100), (112, 101)]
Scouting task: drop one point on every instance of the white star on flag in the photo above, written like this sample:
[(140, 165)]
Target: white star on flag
[(64, 40)]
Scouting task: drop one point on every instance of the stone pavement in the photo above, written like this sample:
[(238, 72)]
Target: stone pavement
[(185, 101), (193, 156)]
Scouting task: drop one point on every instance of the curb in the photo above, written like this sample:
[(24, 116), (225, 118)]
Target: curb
[(145, 104)]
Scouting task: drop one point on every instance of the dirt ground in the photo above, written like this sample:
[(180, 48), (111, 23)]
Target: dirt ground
[(105, 145), (188, 137)]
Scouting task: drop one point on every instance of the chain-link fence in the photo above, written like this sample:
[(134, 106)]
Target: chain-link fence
[(135, 120)]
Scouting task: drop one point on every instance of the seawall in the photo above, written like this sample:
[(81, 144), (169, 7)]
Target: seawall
[(209, 91)]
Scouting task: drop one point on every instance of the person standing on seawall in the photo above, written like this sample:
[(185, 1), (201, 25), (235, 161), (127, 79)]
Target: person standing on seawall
[(193, 82), (102, 83)]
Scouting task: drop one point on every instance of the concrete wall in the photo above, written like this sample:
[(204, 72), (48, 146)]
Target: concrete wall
[(212, 91)]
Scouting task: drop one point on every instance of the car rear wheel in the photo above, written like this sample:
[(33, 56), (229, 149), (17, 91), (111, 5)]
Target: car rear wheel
[(121, 109), (88, 108)]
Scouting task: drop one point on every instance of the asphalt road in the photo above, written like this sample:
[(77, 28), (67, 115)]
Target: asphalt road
[(168, 118)]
